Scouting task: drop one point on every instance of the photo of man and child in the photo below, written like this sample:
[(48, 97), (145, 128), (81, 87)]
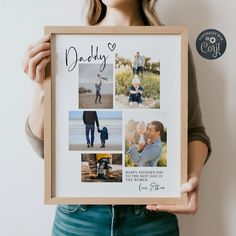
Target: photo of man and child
[(95, 87), (95, 130), (137, 82), (145, 141)]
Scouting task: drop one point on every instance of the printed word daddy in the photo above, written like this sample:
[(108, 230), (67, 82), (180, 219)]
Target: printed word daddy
[(73, 57)]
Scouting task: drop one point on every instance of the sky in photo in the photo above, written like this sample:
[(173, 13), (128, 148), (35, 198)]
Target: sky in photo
[(100, 114)]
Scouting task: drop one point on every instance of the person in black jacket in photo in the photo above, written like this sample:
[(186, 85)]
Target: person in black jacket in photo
[(103, 136), (89, 119)]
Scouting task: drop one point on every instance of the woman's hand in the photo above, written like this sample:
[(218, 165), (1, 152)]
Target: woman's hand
[(36, 58), (197, 154), (192, 189), (34, 62)]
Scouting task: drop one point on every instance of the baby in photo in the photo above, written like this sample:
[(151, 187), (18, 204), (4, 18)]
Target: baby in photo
[(140, 134), (136, 92), (136, 133)]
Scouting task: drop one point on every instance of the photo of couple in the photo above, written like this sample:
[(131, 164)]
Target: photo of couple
[(145, 141), (95, 130), (101, 167), (137, 81), (95, 87)]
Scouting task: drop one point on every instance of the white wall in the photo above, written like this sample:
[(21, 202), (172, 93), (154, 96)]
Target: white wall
[(22, 211), (217, 84)]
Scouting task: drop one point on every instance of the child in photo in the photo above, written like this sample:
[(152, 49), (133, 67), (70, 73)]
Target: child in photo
[(136, 132), (98, 87), (98, 91), (103, 159), (140, 135), (136, 92), (103, 136)]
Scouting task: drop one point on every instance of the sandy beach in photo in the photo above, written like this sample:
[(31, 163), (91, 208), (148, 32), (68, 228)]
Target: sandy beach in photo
[(122, 101), (111, 120), (87, 100), (96, 147)]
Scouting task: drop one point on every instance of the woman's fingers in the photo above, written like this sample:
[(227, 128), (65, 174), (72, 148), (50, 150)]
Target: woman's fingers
[(36, 58), (37, 49), (44, 39), (40, 70), (192, 189), (29, 57), (34, 62), (190, 208), (192, 183)]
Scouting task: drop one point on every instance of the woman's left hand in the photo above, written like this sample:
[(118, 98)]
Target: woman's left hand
[(192, 190)]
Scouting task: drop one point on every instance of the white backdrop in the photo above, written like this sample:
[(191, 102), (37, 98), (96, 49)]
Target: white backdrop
[(22, 211)]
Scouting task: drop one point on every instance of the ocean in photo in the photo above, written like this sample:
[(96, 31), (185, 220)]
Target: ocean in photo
[(77, 131), (106, 88)]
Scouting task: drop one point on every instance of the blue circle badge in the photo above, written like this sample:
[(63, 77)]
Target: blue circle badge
[(211, 44)]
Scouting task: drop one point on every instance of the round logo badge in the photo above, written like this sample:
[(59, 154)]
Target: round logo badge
[(211, 44)]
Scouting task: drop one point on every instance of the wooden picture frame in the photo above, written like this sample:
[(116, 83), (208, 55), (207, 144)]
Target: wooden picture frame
[(141, 76)]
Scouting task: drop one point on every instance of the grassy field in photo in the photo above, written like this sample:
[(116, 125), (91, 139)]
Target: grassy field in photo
[(150, 83)]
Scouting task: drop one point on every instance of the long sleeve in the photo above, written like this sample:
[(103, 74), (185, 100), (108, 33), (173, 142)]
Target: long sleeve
[(36, 143), (96, 119), (84, 118), (196, 129), (135, 155), (150, 153)]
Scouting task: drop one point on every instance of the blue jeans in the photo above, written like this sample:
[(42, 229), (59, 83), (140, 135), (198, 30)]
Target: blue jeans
[(107, 220), (137, 99), (87, 129)]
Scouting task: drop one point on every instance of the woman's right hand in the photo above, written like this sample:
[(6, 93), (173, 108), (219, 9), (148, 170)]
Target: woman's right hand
[(36, 58)]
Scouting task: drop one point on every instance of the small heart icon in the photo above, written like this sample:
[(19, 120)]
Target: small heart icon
[(111, 46)]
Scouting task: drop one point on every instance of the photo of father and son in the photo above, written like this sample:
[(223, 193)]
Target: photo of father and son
[(145, 143)]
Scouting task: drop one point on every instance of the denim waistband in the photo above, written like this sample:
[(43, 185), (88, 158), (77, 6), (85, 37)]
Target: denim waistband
[(136, 208)]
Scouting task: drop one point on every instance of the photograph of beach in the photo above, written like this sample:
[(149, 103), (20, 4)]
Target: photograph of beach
[(95, 130), (95, 86)]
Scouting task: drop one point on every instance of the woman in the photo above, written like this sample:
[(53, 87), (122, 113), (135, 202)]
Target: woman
[(155, 220)]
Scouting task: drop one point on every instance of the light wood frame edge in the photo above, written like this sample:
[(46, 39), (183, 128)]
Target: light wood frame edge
[(50, 197)]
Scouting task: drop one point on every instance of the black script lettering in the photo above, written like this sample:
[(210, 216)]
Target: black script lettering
[(73, 65), (72, 57), (141, 187), (155, 187)]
